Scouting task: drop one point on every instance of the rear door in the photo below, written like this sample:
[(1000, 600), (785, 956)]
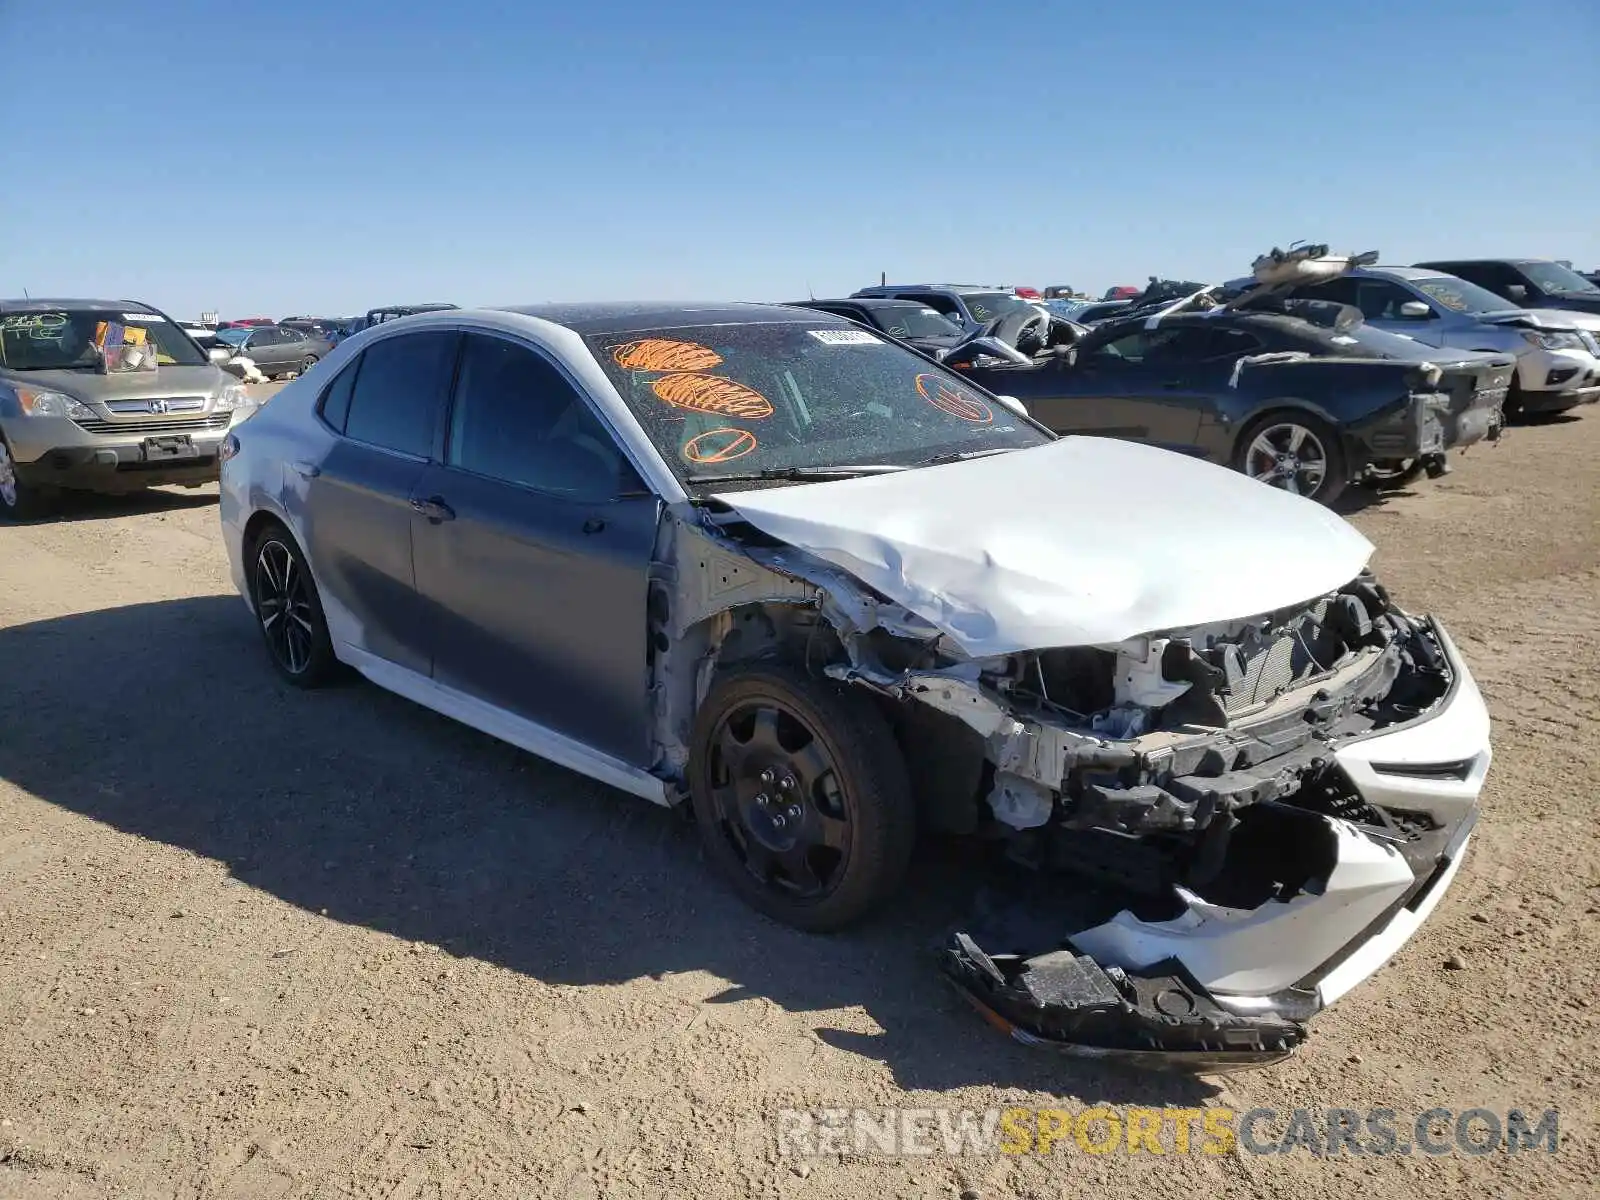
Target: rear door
[(533, 554), (387, 406)]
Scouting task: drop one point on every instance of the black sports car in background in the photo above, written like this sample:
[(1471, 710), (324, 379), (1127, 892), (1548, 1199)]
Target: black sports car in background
[(912, 321), (1299, 395)]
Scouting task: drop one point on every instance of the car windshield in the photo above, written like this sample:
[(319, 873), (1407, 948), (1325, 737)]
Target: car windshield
[(1553, 277), (986, 306), (234, 336), (63, 339), (777, 396), (916, 322), (1460, 296)]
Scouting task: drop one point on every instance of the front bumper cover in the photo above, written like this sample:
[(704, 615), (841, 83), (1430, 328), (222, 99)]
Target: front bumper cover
[(1216, 988)]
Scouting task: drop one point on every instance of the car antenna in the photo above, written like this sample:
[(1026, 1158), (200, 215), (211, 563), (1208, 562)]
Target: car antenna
[(25, 295), (810, 291)]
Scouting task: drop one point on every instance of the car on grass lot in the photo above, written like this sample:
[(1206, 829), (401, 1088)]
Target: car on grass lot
[(971, 306), (1557, 363), (911, 321), (763, 562), (1306, 398), (277, 350), (66, 421), (1526, 282)]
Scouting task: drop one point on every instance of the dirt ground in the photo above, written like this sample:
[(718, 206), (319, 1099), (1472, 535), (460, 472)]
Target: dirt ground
[(263, 944)]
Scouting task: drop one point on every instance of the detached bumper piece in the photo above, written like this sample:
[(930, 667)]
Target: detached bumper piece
[(1158, 1017)]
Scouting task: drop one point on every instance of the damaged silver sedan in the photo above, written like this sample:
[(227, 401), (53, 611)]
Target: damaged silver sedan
[(766, 563)]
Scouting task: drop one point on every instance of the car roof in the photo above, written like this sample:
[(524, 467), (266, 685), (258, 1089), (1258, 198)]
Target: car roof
[(867, 302), (628, 317), (1466, 261), (1379, 272), (46, 304)]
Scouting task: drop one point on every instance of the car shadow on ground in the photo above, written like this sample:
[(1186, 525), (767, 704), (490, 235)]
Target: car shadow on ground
[(73, 506), (164, 720)]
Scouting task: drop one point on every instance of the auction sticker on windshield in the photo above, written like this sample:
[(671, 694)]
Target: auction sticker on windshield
[(844, 337)]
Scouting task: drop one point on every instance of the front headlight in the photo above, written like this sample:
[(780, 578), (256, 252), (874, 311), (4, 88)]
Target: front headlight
[(1553, 341), (37, 403), (231, 397)]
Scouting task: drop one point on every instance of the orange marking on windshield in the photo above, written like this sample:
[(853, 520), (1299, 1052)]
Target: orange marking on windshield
[(664, 354), (719, 445), (954, 400), (712, 394)]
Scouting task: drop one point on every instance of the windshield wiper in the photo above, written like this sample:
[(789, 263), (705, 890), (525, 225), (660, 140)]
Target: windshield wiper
[(939, 460), (845, 471)]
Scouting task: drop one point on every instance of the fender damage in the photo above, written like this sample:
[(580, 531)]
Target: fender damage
[(1210, 831)]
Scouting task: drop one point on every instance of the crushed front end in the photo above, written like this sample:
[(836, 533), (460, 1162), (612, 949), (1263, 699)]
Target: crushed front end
[(1215, 831)]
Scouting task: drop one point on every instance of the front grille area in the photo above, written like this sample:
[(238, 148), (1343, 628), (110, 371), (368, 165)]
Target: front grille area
[(157, 425), (173, 404)]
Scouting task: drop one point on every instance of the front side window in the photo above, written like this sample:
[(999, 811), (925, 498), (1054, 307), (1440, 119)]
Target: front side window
[(399, 391), (774, 396), (516, 418), (65, 339)]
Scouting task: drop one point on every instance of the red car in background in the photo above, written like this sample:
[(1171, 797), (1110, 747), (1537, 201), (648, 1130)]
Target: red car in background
[(242, 321)]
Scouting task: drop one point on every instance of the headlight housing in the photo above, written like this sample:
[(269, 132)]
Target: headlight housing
[(1553, 341), (231, 397), (36, 402)]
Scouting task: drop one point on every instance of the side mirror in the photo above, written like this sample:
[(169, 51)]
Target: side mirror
[(219, 355), (1415, 310), (1014, 405), (1517, 292)]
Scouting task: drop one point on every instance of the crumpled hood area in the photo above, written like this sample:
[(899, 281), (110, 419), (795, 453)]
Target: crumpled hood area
[(1084, 541)]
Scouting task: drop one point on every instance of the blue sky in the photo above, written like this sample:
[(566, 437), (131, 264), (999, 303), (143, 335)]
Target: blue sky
[(301, 157)]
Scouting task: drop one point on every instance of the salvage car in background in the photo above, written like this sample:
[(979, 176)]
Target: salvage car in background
[(1557, 367), (1526, 282), (913, 322), (68, 420), (277, 350), (970, 306), (764, 562), (1304, 405)]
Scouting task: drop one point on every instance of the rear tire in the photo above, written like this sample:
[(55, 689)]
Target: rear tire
[(19, 501), (288, 609), (1294, 451), (801, 796), (306, 364)]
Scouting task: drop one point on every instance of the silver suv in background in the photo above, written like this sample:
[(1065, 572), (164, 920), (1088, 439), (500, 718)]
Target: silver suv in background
[(73, 414), (1558, 358)]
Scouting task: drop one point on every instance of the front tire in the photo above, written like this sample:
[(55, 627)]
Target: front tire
[(19, 501), (288, 609), (306, 364), (801, 796), (1295, 452)]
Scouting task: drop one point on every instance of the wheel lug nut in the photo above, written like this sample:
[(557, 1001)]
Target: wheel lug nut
[(788, 783), (778, 822), (763, 800), (794, 811), (768, 776)]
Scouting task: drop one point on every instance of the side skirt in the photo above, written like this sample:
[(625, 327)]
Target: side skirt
[(508, 727)]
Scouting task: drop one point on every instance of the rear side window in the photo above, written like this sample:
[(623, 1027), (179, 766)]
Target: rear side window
[(400, 389), (335, 406)]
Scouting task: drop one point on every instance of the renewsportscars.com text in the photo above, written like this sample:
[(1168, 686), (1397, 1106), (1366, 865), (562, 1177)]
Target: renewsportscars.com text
[(1105, 1129)]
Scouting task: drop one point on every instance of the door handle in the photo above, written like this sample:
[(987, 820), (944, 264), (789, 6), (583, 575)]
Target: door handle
[(593, 525), (434, 508), (1172, 385)]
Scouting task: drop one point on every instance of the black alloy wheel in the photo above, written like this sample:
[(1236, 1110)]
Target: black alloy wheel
[(801, 796)]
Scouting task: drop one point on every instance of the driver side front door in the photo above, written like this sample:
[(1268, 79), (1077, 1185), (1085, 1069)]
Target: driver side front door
[(532, 544)]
